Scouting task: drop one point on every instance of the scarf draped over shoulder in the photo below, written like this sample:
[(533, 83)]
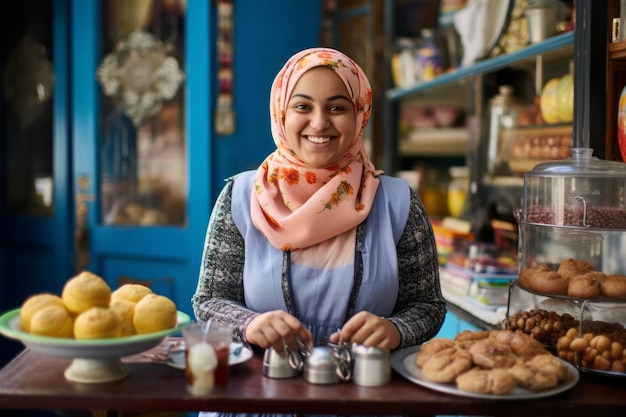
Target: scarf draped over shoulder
[(295, 205)]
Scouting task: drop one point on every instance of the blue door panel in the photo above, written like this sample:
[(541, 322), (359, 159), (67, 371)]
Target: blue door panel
[(164, 276)]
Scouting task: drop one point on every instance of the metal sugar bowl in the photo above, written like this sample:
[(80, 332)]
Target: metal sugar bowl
[(372, 366), (574, 208)]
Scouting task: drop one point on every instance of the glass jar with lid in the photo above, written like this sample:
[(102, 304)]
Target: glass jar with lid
[(574, 209), (504, 111)]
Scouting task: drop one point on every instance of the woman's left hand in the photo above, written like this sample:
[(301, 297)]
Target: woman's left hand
[(368, 329)]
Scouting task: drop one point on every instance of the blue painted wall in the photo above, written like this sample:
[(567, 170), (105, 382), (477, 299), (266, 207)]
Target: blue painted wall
[(265, 37)]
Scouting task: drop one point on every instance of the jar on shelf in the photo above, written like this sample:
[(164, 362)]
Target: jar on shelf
[(458, 189), (503, 117), (433, 192)]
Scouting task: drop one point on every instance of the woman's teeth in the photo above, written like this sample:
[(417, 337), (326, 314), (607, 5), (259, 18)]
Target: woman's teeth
[(319, 139)]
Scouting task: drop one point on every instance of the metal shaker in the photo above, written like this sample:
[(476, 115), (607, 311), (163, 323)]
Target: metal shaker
[(371, 366)]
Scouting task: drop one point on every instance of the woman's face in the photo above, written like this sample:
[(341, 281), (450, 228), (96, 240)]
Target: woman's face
[(320, 119)]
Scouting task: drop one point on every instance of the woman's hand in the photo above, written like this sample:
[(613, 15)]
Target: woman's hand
[(277, 329), (368, 329)]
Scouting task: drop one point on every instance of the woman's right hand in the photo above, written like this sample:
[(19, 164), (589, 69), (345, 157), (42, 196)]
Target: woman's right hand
[(277, 329)]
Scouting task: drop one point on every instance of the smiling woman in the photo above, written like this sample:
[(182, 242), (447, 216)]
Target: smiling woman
[(316, 244)]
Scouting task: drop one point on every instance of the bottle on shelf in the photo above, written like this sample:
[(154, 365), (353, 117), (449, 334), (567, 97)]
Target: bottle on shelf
[(428, 57), (403, 63)]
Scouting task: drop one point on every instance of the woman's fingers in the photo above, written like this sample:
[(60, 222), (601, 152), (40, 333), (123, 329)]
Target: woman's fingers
[(277, 329), (370, 330)]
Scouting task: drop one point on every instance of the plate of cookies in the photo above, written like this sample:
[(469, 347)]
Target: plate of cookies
[(496, 364), (93, 325)]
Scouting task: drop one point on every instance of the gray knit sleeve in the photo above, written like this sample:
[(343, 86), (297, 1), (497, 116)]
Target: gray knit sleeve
[(420, 309), (219, 294)]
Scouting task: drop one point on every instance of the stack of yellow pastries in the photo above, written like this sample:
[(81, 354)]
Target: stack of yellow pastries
[(88, 309), (491, 362)]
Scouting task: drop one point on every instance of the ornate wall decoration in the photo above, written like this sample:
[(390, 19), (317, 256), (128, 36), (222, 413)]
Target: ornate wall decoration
[(140, 75)]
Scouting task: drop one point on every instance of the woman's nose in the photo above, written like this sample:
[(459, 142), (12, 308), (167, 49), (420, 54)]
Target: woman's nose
[(318, 120)]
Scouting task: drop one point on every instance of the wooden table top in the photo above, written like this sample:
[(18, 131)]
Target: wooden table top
[(32, 380)]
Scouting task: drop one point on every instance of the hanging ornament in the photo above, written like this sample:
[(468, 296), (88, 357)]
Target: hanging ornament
[(224, 110), (140, 75)]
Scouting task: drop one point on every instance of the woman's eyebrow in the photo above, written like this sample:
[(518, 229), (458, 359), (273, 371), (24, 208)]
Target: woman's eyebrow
[(331, 98)]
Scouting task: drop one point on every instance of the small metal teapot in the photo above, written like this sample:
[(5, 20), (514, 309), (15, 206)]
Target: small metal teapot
[(327, 365)]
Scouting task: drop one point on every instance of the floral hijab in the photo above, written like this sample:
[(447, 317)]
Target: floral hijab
[(297, 206)]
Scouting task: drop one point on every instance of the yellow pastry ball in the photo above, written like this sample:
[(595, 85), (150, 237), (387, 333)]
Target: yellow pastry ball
[(154, 313), (97, 323), (34, 303), (52, 321), (131, 292), (125, 310), (84, 291)]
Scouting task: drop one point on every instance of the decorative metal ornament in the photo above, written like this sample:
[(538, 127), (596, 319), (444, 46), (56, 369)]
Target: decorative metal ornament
[(140, 75)]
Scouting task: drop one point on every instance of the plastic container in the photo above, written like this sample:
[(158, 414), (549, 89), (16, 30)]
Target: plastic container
[(574, 208)]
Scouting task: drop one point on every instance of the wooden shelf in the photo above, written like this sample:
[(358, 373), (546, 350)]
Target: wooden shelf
[(435, 142), (617, 50)]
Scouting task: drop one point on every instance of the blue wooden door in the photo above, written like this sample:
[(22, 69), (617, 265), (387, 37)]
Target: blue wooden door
[(35, 209), (141, 192)]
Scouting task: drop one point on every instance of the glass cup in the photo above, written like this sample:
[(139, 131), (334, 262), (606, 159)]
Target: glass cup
[(197, 337)]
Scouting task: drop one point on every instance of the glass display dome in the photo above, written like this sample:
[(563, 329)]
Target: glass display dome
[(574, 209)]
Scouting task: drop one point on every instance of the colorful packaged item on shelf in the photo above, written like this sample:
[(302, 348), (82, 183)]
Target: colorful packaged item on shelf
[(484, 260), (480, 274), (449, 241)]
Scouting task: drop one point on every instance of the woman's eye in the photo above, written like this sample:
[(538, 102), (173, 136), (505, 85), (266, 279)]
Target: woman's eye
[(302, 107), (337, 108)]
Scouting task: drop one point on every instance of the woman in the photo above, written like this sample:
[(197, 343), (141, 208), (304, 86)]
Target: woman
[(316, 243)]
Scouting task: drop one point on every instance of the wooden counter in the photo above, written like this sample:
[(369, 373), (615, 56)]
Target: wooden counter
[(33, 380)]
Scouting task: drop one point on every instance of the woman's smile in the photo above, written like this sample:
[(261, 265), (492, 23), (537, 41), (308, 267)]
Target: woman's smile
[(318, 139)]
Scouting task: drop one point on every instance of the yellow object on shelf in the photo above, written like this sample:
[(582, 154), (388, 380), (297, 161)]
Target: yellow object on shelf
[(549, 104)]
